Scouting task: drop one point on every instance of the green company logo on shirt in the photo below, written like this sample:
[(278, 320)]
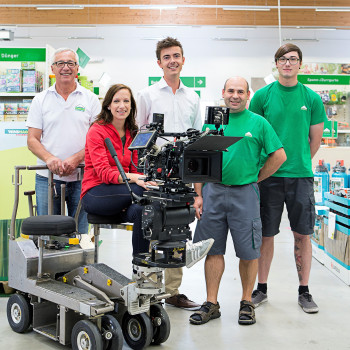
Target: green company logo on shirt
[(80, 108)]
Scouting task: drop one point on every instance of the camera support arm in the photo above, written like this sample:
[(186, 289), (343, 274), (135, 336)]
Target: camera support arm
[(135, 198)]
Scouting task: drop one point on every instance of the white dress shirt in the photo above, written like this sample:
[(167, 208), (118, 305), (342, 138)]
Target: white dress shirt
[(181, 110)]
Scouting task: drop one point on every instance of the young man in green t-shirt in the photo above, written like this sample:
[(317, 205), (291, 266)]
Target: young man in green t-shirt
[(297, 115), (234, 203)]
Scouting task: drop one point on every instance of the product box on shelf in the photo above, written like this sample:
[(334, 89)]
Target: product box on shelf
[(337, 246), (13, 80), (317, 238), (28, 81), (2, 83), (10, 114), (27, 65)]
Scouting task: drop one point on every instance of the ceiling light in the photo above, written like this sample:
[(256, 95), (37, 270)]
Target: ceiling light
[(86, 37), (333, 9), (58, 7), (242, 8), (300, 39), (6, 35), (153, 7), (230, 39), (23, 37)]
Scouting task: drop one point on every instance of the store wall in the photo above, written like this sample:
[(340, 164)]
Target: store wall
[(129, 56)]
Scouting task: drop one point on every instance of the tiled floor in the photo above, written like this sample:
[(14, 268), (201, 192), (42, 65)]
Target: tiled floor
[(281, 324)]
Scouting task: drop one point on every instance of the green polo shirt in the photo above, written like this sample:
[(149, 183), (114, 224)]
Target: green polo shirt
[(241, 162)]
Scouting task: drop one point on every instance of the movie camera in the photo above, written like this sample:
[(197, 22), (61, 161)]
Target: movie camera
[(187, 157)]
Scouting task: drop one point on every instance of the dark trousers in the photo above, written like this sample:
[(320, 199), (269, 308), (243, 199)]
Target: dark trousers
[(111, 199)]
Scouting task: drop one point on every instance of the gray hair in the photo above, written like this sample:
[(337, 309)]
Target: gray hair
[(63, 49)]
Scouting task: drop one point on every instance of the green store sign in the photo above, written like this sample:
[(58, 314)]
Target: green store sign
[(16, 54), (324, 79), (191, 82), (330, 129)]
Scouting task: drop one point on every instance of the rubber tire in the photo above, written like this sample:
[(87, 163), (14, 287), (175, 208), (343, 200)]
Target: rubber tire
[(22, 306), (162, 332), (91, 331), (141, 326), (116, 343)]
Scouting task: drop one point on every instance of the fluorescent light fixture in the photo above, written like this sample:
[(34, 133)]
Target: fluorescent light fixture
[(86, 37), (333, 9), (153, 7), (242, 8), (6, 35), (316, 28), (300, 39), (23, 37), (58, 7), (152, 38), (235, 28), (230, 39)]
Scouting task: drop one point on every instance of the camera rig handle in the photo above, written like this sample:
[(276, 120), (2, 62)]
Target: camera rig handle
[(135, 198)]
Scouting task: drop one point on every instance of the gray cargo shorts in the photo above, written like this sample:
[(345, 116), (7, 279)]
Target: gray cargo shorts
[(231, 207)]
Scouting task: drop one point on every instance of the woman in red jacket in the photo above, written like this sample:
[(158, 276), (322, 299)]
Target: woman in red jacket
[(103, 191)]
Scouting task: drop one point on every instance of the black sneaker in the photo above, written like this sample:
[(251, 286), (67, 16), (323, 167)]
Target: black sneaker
[(307, 304)]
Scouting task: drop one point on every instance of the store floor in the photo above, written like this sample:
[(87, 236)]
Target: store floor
[(281, 324)]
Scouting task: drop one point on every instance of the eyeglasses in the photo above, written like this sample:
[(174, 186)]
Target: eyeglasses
[(61, 64), (292, 60)]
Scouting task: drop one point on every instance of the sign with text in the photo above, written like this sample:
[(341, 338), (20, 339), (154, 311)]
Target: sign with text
[(330, 129), (23, 54), (324, 79)]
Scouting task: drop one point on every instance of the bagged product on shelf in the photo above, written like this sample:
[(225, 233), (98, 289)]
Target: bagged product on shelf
[(13, 80), (2, 83), (28, 80), (39, 81), (2, 111), (22, 111), (10, 114)]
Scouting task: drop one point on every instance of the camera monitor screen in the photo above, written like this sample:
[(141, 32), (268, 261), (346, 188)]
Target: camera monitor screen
[(142, 140)]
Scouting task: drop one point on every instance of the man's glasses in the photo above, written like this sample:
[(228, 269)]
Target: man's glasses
[(61, 64), (292, 60)]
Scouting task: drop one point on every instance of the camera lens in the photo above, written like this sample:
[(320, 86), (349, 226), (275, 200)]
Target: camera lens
[(192, 165)]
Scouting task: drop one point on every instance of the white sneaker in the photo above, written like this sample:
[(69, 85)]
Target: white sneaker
[(197, 251)]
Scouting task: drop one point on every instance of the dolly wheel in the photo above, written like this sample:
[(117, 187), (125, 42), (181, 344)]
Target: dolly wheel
[(19, 313), (137, 330), (161, 324), (111, 333), (86, 336)]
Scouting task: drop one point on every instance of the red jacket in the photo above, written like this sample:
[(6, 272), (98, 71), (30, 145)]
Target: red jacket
[(99, 164)]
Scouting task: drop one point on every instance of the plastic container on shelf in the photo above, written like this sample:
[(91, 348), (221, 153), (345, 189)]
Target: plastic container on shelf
[(321, 182), (339, 177)]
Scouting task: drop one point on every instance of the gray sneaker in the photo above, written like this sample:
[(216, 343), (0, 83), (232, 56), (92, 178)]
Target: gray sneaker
[(258, 297), (197, 251), (307, 304)]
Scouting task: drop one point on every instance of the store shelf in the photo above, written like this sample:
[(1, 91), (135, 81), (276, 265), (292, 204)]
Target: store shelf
[(344, 131), (17, 94)]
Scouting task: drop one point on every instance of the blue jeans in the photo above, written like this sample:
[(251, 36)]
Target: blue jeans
[(72, 198), (111, 199)]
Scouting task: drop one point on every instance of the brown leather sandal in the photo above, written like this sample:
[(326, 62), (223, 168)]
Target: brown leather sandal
[(207, 312)]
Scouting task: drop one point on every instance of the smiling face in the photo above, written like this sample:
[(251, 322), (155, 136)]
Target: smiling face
[(288, 71), (65, 75), (235, 94), (121, 105), (171, 61)]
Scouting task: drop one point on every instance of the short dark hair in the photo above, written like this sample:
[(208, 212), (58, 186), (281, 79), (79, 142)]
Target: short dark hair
[(231, 78), (289, 47), (106, 117), (166, 43)]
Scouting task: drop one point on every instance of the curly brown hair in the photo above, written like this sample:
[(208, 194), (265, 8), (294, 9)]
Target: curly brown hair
[(106, 117), (165, 44)]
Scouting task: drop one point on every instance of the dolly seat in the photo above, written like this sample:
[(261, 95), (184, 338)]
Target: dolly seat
[(104, 219), (53, 225)]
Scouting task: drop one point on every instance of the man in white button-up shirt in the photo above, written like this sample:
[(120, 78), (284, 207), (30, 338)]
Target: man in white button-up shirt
[(181, 108)]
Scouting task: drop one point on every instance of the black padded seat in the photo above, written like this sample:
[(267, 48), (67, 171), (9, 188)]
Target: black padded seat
[(54, 225), (104, 219)]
